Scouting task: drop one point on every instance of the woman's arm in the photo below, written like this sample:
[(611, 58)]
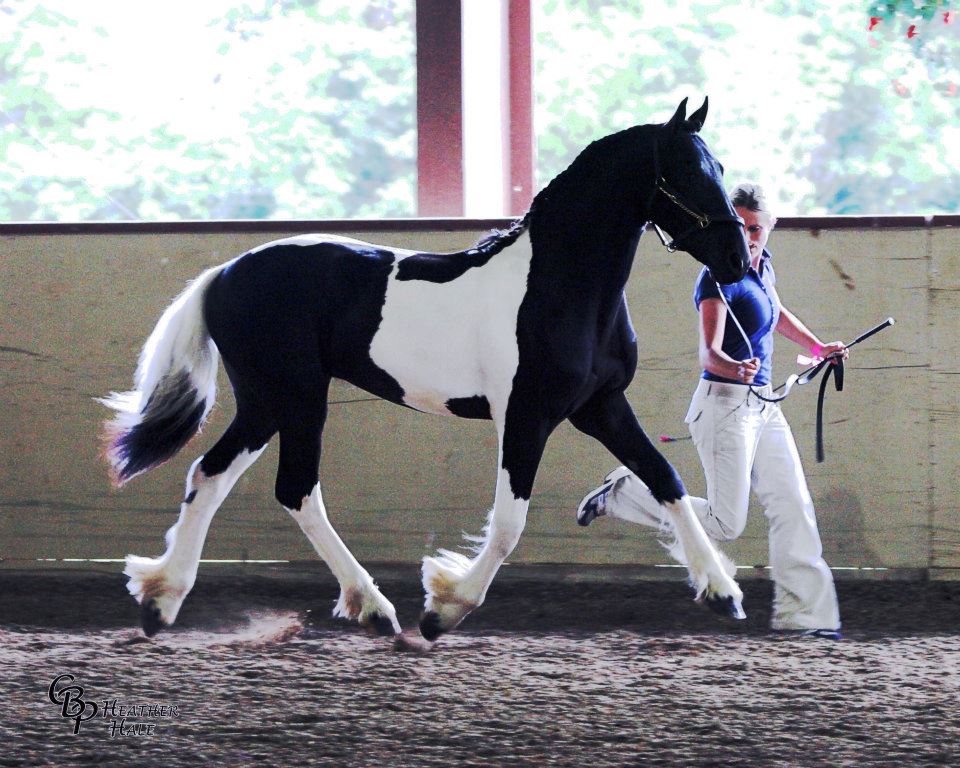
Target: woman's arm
[(713, 320), (791, 327)]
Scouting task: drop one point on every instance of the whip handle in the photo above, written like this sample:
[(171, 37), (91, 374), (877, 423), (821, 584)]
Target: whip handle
[(868, 334)]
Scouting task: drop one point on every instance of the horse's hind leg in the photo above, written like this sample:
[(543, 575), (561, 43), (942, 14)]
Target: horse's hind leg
[(610, 419), (298, 490), (160, 585)]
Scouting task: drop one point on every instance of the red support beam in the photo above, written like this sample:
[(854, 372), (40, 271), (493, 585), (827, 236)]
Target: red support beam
[(439, 109), (522, 143)]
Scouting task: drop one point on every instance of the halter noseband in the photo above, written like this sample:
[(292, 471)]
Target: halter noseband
[(700, 220)]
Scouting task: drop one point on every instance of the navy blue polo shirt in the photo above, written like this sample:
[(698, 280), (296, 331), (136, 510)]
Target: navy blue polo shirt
[(755, 303)]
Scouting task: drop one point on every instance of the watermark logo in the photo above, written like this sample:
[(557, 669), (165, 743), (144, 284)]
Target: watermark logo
[(69, 696), (120, 719)]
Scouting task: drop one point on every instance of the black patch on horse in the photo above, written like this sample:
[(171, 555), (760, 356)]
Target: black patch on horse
[(476, 407), (288, 314)]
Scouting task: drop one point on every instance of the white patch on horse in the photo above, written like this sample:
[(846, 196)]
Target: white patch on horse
[(458, 339), (319, 239)]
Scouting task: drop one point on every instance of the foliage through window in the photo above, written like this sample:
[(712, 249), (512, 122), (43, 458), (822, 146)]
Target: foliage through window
[(836, 108), (197, 110), (300, 109)]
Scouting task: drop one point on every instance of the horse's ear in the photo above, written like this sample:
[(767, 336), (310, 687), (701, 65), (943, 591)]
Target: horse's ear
[(676, 122), (696, 120)]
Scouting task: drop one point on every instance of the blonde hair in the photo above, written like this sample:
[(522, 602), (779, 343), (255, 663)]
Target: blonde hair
[(750, 196)]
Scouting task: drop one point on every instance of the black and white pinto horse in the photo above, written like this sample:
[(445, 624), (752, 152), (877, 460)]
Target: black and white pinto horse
[(527, 328)]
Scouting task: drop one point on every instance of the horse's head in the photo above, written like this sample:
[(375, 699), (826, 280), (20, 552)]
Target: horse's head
[(689, 201)]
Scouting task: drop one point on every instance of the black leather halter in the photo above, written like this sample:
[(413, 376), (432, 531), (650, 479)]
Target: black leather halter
[(700, 220)]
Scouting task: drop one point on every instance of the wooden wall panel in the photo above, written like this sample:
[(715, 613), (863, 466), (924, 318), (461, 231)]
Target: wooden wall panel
[(399, 484), (944, 400)]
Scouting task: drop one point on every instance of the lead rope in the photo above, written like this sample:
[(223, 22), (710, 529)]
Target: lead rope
[(832, 364)]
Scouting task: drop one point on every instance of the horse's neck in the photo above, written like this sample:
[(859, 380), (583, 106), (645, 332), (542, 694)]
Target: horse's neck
[(585, 229), (587, 252)]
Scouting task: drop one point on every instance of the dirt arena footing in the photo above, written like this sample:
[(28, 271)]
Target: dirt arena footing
[(561, 666)]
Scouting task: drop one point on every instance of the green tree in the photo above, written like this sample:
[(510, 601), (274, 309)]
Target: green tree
[(286, 110)]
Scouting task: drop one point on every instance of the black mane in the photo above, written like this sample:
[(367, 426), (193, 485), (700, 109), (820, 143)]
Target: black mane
[(444, 267), (499, 239)]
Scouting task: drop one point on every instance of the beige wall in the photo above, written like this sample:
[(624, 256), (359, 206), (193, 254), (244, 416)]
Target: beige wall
[(75, 310)]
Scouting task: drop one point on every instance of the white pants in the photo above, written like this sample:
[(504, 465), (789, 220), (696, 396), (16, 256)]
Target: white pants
[(745, 443)]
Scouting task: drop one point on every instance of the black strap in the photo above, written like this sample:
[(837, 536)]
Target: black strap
[(835, 370), (833, 366)]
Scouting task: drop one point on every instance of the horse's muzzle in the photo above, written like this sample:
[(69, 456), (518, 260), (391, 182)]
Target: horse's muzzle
[(733, 273)]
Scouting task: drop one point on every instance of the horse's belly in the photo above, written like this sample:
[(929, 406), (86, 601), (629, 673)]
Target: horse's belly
[(433, 362)]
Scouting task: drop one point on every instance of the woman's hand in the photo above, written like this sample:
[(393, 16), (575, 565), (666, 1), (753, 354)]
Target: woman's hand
[(836, 348), (747, 370)]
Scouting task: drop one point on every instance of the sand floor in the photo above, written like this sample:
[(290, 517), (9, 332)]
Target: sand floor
[(552, 671)]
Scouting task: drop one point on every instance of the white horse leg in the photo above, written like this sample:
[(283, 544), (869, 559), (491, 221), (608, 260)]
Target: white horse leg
[(161, 584), (631, 500), (709, 572), (360, 599), (455, 584)]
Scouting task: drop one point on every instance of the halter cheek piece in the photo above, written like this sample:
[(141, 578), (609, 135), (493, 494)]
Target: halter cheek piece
[(700, 220)]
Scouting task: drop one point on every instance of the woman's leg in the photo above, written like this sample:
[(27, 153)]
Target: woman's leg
[(725, 424), (725, 428), (804, 594)]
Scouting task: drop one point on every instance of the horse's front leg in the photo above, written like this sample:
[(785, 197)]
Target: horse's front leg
[(609, 418), (456, 584)]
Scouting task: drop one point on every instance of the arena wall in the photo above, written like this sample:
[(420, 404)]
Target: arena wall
[(77, 303)]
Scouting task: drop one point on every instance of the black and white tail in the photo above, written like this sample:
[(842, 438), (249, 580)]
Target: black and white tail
[(175, 388)]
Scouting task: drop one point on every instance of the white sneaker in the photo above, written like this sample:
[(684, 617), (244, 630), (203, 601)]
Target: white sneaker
[(594, 503)]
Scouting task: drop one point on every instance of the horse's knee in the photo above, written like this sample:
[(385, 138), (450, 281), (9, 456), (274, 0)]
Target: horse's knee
[(505, 532), (664, 483), (293, 487)]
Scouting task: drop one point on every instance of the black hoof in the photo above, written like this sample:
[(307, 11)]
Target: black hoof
[(379, 624), (726, 606), (150, 618), (430, 626)]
